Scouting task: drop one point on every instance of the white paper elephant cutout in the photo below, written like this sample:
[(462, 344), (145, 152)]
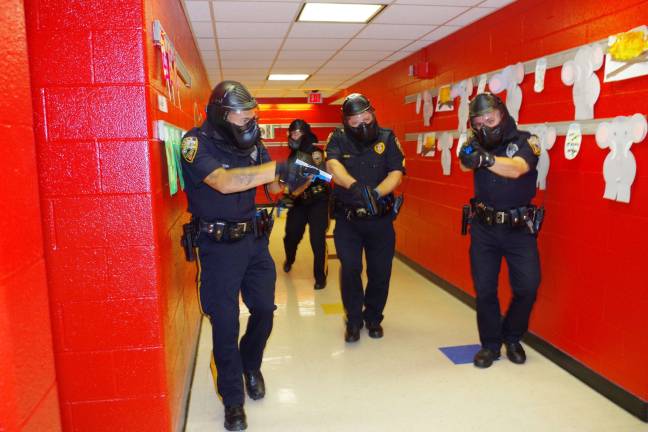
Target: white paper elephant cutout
[(547, 138), (580, 73), (462, 90), (445, 144), (509, 79), (620, 166), (428, 107)]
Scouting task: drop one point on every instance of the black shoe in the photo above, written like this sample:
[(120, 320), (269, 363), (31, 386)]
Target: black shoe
[(352, 333), (235, 418), (515, 352), (320, 285), (485, 358), (254, 384), (375, 330), (287, 266)]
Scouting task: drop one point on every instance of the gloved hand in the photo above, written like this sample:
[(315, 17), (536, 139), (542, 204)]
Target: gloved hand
[(293, 174), (365, 198), (473, 156), (287, 201)]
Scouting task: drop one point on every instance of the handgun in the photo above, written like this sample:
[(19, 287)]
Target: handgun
[(317, 173)]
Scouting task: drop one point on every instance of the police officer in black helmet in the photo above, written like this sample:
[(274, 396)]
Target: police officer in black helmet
[(504, 225), (367, 164), (223, 161), (309, 203)]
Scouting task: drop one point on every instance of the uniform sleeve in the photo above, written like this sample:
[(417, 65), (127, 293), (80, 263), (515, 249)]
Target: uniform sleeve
[(529, 150), (394, 154), (333, 150), (197, 162), (265, 156)]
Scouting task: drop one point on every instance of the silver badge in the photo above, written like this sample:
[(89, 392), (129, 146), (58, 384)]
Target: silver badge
[(511, 150)]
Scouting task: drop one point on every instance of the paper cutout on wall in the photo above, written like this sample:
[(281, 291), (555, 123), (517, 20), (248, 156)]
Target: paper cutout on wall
[(419, 98), (462, 90), (445, 102), (627, 55), (419, 144), (445, 144), (573, 141), (428, 107), (620, 167), (481, 86), (460, 142), (540, 70), (509, 80), (547, 137), (172, 137), (580, 73), (429, 145)]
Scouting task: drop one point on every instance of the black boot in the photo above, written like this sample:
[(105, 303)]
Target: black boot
[(352, 333), (515, 352), (254, 384), (375, 330), (235, 418), (485, 358)]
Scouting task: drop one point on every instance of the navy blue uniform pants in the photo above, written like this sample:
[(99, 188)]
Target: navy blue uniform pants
[(227, 269), (316, 215), (378, 239), (489, 244)]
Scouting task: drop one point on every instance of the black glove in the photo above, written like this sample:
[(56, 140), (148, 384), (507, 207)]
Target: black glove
[(293, 174), (365, 199), (473, 156), (287, 201)]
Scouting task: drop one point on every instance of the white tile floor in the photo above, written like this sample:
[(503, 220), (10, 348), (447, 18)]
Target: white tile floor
[(316, 382)]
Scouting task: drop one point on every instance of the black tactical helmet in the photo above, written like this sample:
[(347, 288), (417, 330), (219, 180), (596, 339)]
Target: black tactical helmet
[(484, 103), (300, 125), (355, 103), (232, 96)]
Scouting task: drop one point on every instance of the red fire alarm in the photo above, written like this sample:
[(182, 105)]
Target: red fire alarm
[(314, 97), (423, 70)]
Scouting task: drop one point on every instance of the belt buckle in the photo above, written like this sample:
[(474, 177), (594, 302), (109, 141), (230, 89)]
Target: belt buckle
[(499, 217), (241, 227)]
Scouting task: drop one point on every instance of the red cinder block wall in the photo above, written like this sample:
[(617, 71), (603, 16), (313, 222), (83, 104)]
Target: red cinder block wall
[(594, 296), (28, 392), (123, 305)]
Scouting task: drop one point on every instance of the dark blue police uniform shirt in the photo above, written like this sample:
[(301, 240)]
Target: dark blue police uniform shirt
[(205, 149), (503, 193), (368, 164)]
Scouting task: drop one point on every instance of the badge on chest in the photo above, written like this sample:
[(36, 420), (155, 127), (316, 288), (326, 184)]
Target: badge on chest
[(379, 148), (511, 150)]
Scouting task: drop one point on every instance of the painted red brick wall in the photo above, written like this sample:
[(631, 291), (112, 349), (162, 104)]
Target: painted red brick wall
[(123, 305), (28, 390), (594, 296)]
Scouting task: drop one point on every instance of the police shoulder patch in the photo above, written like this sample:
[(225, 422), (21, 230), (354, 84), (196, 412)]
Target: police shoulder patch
[(534, 143), (379, 148), (189, 148)]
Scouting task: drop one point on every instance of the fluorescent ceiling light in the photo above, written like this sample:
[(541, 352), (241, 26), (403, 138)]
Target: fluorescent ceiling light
[(339, 12), (287, 77)]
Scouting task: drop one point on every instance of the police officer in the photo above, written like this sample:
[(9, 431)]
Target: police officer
[(310, 203), (367, 164), (223, 161), (503, 160)]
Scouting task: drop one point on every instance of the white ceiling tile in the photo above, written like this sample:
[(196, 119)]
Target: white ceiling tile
[(471, 16), (324, 30), (206, 44), (394, 31), (410, 14), (202, 29), (211, 64), (376, 44), (439, 33), (209, 55), (319, 44), (496, 3), (249, 73), (260, 93), (304, 54), (283, 84), (247, 54), (444, 2), (416, 46), (296, 66), (363, 55), (255, 11), (247, 64), (250, 44), (399, 55), (198, 10), (243, 29), (349, 63)]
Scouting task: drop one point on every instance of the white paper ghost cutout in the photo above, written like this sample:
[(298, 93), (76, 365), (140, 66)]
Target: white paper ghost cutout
[(445, 144), (419, 98), (481, 84), (460, 142), (509, 80), (462, 90), (547, 137), (580, 73), (428, 107), (540, 71), (620, 167)]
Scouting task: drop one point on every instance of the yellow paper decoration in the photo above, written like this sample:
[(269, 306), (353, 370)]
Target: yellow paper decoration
[(629, 45)]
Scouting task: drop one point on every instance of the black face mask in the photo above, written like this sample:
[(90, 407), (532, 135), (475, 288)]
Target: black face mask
[(488, 137), (365, 133), (245, 137), (294, 144)]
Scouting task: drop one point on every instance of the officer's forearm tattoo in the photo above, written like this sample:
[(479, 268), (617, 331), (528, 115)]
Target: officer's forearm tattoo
[(244, 176)]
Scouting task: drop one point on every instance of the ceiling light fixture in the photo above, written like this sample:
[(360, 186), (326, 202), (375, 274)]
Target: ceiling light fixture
[(339, 12), (287, 77)]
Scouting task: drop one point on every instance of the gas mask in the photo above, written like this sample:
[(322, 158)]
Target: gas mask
[(295, 144), (365, 133), (246, 136), (490, 137)]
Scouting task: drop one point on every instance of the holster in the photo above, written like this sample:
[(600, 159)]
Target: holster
[(263, 223), (466, 218), (188, 240)]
